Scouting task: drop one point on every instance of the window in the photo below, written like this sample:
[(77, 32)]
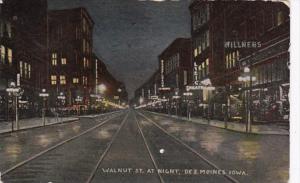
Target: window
[(83, 45), (84, 80), (21, 68), (195, 52), (84, 25), (207, 38), (2, 53), (280, 18), (62, 80), (75, 80), (1, 29), (207, 65), (53, 80), (8, 29), (185, 77), (84, 62), (54, 59), (26, 69), (9, 56), (29, 71), (63, 61)]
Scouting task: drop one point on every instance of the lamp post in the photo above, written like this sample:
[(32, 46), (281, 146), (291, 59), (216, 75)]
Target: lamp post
[(78, 100), (61, 98), (15, 91), (119, 92), (247, 80), (44, 95)]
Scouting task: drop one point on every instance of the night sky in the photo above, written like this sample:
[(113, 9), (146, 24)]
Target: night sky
[(130, 34)]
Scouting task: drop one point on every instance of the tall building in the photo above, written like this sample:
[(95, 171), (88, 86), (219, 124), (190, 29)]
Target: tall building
[(70, 56), (175, 65), (24, 49), (230, 37)]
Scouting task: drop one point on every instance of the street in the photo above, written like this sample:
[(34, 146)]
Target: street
[(139, 146)]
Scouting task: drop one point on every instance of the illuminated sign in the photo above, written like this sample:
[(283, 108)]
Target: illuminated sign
[(187, 93)]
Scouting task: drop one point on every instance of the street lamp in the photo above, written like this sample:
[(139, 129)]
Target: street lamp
[(78, 100), (119, 91), (247, 79), (102, 88), (44, 95), (16, 92)]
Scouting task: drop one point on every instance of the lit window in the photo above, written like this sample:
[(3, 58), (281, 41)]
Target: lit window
[(207, 65), (9, 56), (226, 60), (21, 68), (63, 61), (53, 80), (2, 53), (207, 38), (195, 52), (54, 59), (25, 69), (75, 80), (84, 80), (8, 29), (280, 18), (62, 79), (84, 62), (84, 24), (29, 71), (233, 59)]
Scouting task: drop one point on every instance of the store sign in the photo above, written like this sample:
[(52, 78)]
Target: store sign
[(164, 88), (197, 87), (188, 94), (154, 97)]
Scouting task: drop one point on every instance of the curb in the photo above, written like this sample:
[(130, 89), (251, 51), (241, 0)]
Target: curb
[(233, 130), (40, 126)]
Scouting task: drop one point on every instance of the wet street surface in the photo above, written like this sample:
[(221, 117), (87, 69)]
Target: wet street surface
[(138, 146)]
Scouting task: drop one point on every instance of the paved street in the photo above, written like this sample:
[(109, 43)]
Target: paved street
[(137, 146)]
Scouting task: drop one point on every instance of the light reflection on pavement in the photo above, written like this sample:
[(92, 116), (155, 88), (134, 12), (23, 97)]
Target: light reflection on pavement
[(265, 158)]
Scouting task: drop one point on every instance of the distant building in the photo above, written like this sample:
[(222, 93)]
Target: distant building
[(148, 91), (70, 55), (114, 89)]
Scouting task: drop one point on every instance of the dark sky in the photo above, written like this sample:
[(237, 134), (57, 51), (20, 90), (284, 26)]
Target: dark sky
[(130, 34)]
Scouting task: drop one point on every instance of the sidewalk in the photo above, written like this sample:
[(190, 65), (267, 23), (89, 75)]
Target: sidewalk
[(34, 122), (271, 129)]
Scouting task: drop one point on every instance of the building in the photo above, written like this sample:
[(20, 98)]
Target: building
[(175, 66), (148, 91), (228, 37), (8, 69), (106, 84), (70, 56), (24, 49)]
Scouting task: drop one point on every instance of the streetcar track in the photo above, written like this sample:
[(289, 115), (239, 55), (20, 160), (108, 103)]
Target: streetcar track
[(149, 151), (228, 177), (58, 145), (106, 150)]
